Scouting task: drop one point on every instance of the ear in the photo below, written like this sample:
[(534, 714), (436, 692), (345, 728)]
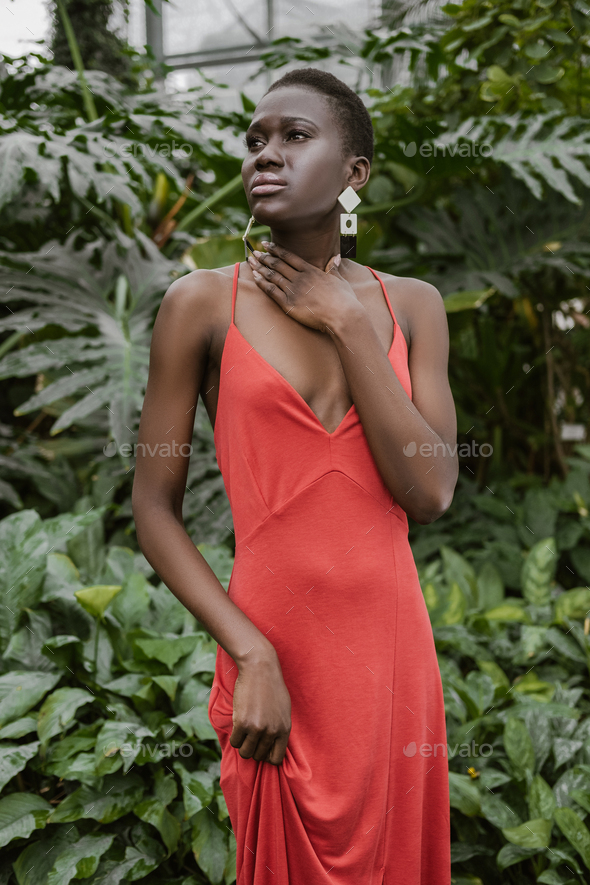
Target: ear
[(358, 172)]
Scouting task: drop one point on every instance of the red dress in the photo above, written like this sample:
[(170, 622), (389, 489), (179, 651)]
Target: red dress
[(324, 569)]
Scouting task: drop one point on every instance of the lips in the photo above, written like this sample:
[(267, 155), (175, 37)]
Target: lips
[(267, 183)]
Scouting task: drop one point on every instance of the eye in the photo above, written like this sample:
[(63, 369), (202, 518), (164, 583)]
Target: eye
[(249, 140)]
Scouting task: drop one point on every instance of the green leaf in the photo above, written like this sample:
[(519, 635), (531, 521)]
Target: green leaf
[(490, 587), (131, 605), (20, 814), (456, 568), (58, 710), (154, 812), (13, 758), (532, 639), (20, 690), (229, 872), (72, 745), (538, 571), (519, 747), (80, 860), (468, 300), (169, 684), (196, 723), (129, 685), (565, 644), (60, 650), (508, 611), (575, 831), (532, 834), (198, 788), (495, 672), (540, 799), (480, 690), (34, 863), (146, 853), (80, 768), (582, 797), (118, 743), (18, 728), (573, 604), (210, 845), (464, 794), (511, 854), (546, 73), (168, 651), (116, 797), (495, 809), (95, 600), (531, 685)]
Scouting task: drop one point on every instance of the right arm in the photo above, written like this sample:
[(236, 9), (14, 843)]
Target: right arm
[(178, 359)]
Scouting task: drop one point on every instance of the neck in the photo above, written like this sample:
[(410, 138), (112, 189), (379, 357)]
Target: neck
[(314, 246)]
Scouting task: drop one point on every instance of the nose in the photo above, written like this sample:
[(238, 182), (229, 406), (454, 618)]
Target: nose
[(269, 155)]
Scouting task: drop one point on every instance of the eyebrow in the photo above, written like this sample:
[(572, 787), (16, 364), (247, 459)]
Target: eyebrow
[(258, 124)]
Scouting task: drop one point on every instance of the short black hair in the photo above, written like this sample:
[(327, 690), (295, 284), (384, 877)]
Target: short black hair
[(350, 114)]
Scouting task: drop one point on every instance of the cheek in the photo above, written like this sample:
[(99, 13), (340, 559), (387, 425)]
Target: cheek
[(320, 172)]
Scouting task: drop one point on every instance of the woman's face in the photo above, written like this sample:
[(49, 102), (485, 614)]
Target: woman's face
[(293, 138)]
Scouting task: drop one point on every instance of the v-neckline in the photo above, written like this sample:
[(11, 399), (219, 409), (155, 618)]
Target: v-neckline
[(295, 392)]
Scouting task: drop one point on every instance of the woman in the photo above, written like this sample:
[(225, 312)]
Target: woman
[(327, 389)]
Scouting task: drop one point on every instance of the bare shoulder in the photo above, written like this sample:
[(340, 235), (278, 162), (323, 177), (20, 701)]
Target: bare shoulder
[(200, 289), (198, 302), (419, 302)]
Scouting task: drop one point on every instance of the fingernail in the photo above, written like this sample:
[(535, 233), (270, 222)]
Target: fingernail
[(337, 260), (258, 254), (267, 245), (255, 274)]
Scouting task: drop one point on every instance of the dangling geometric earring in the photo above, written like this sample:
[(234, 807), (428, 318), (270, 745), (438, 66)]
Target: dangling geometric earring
[(348, 199), (245, 237)]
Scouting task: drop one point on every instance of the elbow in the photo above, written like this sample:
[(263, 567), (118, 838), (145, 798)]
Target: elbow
[(432, 509)]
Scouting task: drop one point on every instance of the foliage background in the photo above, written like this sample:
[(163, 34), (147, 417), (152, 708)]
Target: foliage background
[(99, 211)]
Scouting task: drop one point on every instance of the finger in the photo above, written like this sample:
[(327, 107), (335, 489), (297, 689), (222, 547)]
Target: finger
[(263, 748), (238, 736), (288, 257), (271, 275), (275, 263), (271, 289), (249, 746), (277, 754)]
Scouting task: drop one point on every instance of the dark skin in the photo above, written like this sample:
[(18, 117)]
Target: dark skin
[(328, 334)]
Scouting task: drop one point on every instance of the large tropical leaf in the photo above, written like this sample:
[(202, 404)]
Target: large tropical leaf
[(111, 307)]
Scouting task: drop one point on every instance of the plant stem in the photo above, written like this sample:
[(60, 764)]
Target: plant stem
[(233, 185), (10, 342), (96, 647), (77, 59)]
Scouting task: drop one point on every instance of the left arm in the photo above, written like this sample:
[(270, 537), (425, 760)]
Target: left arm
[(406, 436), (411, 440)]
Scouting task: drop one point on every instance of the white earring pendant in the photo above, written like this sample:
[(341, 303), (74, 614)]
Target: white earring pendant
[(349, 200)]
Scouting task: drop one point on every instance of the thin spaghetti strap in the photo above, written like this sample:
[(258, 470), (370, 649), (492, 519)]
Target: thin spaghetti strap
[(395, 323), (234, 291)]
